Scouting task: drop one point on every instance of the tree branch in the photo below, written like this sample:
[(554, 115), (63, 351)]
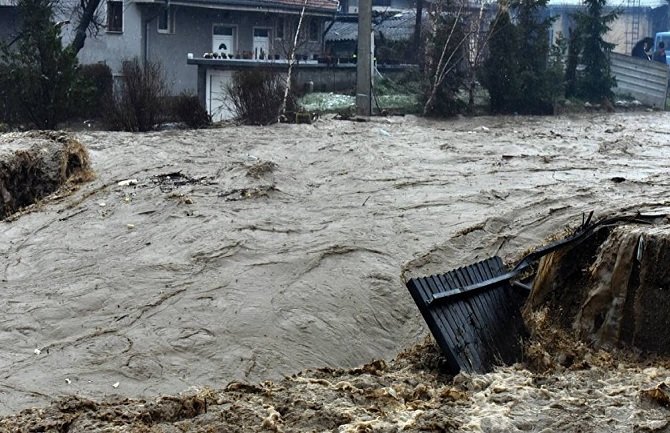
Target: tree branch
[(87, 17)]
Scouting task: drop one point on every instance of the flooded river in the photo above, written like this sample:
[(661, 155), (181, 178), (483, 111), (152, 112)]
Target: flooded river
[(197, 258)]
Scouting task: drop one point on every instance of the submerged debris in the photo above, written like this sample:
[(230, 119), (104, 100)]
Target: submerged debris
[(659, 394), (248, 193), (409, 394), (169, 181), (260, 169)]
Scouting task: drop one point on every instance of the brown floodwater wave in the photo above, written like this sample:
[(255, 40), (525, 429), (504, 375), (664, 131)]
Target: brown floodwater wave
[(249, 254)]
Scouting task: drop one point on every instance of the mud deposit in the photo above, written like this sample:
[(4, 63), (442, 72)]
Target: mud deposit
[(198, 258)]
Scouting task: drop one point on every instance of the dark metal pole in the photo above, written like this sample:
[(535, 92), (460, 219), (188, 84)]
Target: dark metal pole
[(363, 59), (417, 31)]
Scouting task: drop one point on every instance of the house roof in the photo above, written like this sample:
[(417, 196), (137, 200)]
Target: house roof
[(311, 4), (322, 6), (623, 4), (398, 27)]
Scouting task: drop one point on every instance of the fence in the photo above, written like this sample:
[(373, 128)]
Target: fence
[(644, 80)]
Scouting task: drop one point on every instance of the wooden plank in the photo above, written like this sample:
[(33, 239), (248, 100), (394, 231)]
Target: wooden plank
[(481, 299), (488, 315), (475, 329), (462, 335), (446, 332), (508, 331), (459, 308), (496, 308), (501, 334), (465, 317), (461, 276)]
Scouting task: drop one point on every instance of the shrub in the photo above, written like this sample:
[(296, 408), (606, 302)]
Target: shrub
[(408, 83), (139, 101), (389, 51), (188, 109), (8, 99), (256, 96), (94, 90)]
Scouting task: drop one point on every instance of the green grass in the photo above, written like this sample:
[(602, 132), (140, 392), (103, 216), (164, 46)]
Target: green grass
[(335, 102), (321, 102)]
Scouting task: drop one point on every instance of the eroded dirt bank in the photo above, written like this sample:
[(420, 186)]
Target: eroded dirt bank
[(252, 253)]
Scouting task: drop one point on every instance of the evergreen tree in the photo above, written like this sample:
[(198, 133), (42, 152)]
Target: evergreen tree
[(537, 83), (43, 71), (597, 81), (500, 73), (517, 73), (574, 49)]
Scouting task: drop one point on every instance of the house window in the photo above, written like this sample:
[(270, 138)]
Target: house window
[(222, 30), (261, 47), (224, 39), (314, 30), (166, 20), (280, 28), (114, 16)]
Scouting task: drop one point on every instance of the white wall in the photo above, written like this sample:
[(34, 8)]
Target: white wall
[(108, 47)]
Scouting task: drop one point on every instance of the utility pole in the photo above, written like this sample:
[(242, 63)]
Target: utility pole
[(416, 43), (364, 59)]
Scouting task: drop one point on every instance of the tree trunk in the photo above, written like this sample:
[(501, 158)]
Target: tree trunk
[(87, 16), (471, 94), (291, 62)]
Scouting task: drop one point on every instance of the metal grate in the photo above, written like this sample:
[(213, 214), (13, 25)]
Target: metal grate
[(474, 314)]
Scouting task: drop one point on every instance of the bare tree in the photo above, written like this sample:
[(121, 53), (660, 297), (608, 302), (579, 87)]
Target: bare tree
[(88, 21), (469, 31), (481, 29), (291, 59), (450, 53)]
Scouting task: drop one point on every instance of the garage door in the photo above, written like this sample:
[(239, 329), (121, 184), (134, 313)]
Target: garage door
[(218, 102)]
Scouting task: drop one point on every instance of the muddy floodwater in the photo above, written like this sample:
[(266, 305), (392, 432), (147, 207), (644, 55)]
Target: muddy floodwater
[(248, 254)]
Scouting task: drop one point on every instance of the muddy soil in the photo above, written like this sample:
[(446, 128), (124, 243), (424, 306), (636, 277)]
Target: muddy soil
[(197, 258)]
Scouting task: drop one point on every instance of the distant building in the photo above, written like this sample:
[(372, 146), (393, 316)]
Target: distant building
[(351, 6), (8, 20), (396, 19), (637, 19), (390, 29)]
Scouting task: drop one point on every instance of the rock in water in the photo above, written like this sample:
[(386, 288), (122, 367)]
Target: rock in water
[(613, 289), (35, 164)]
